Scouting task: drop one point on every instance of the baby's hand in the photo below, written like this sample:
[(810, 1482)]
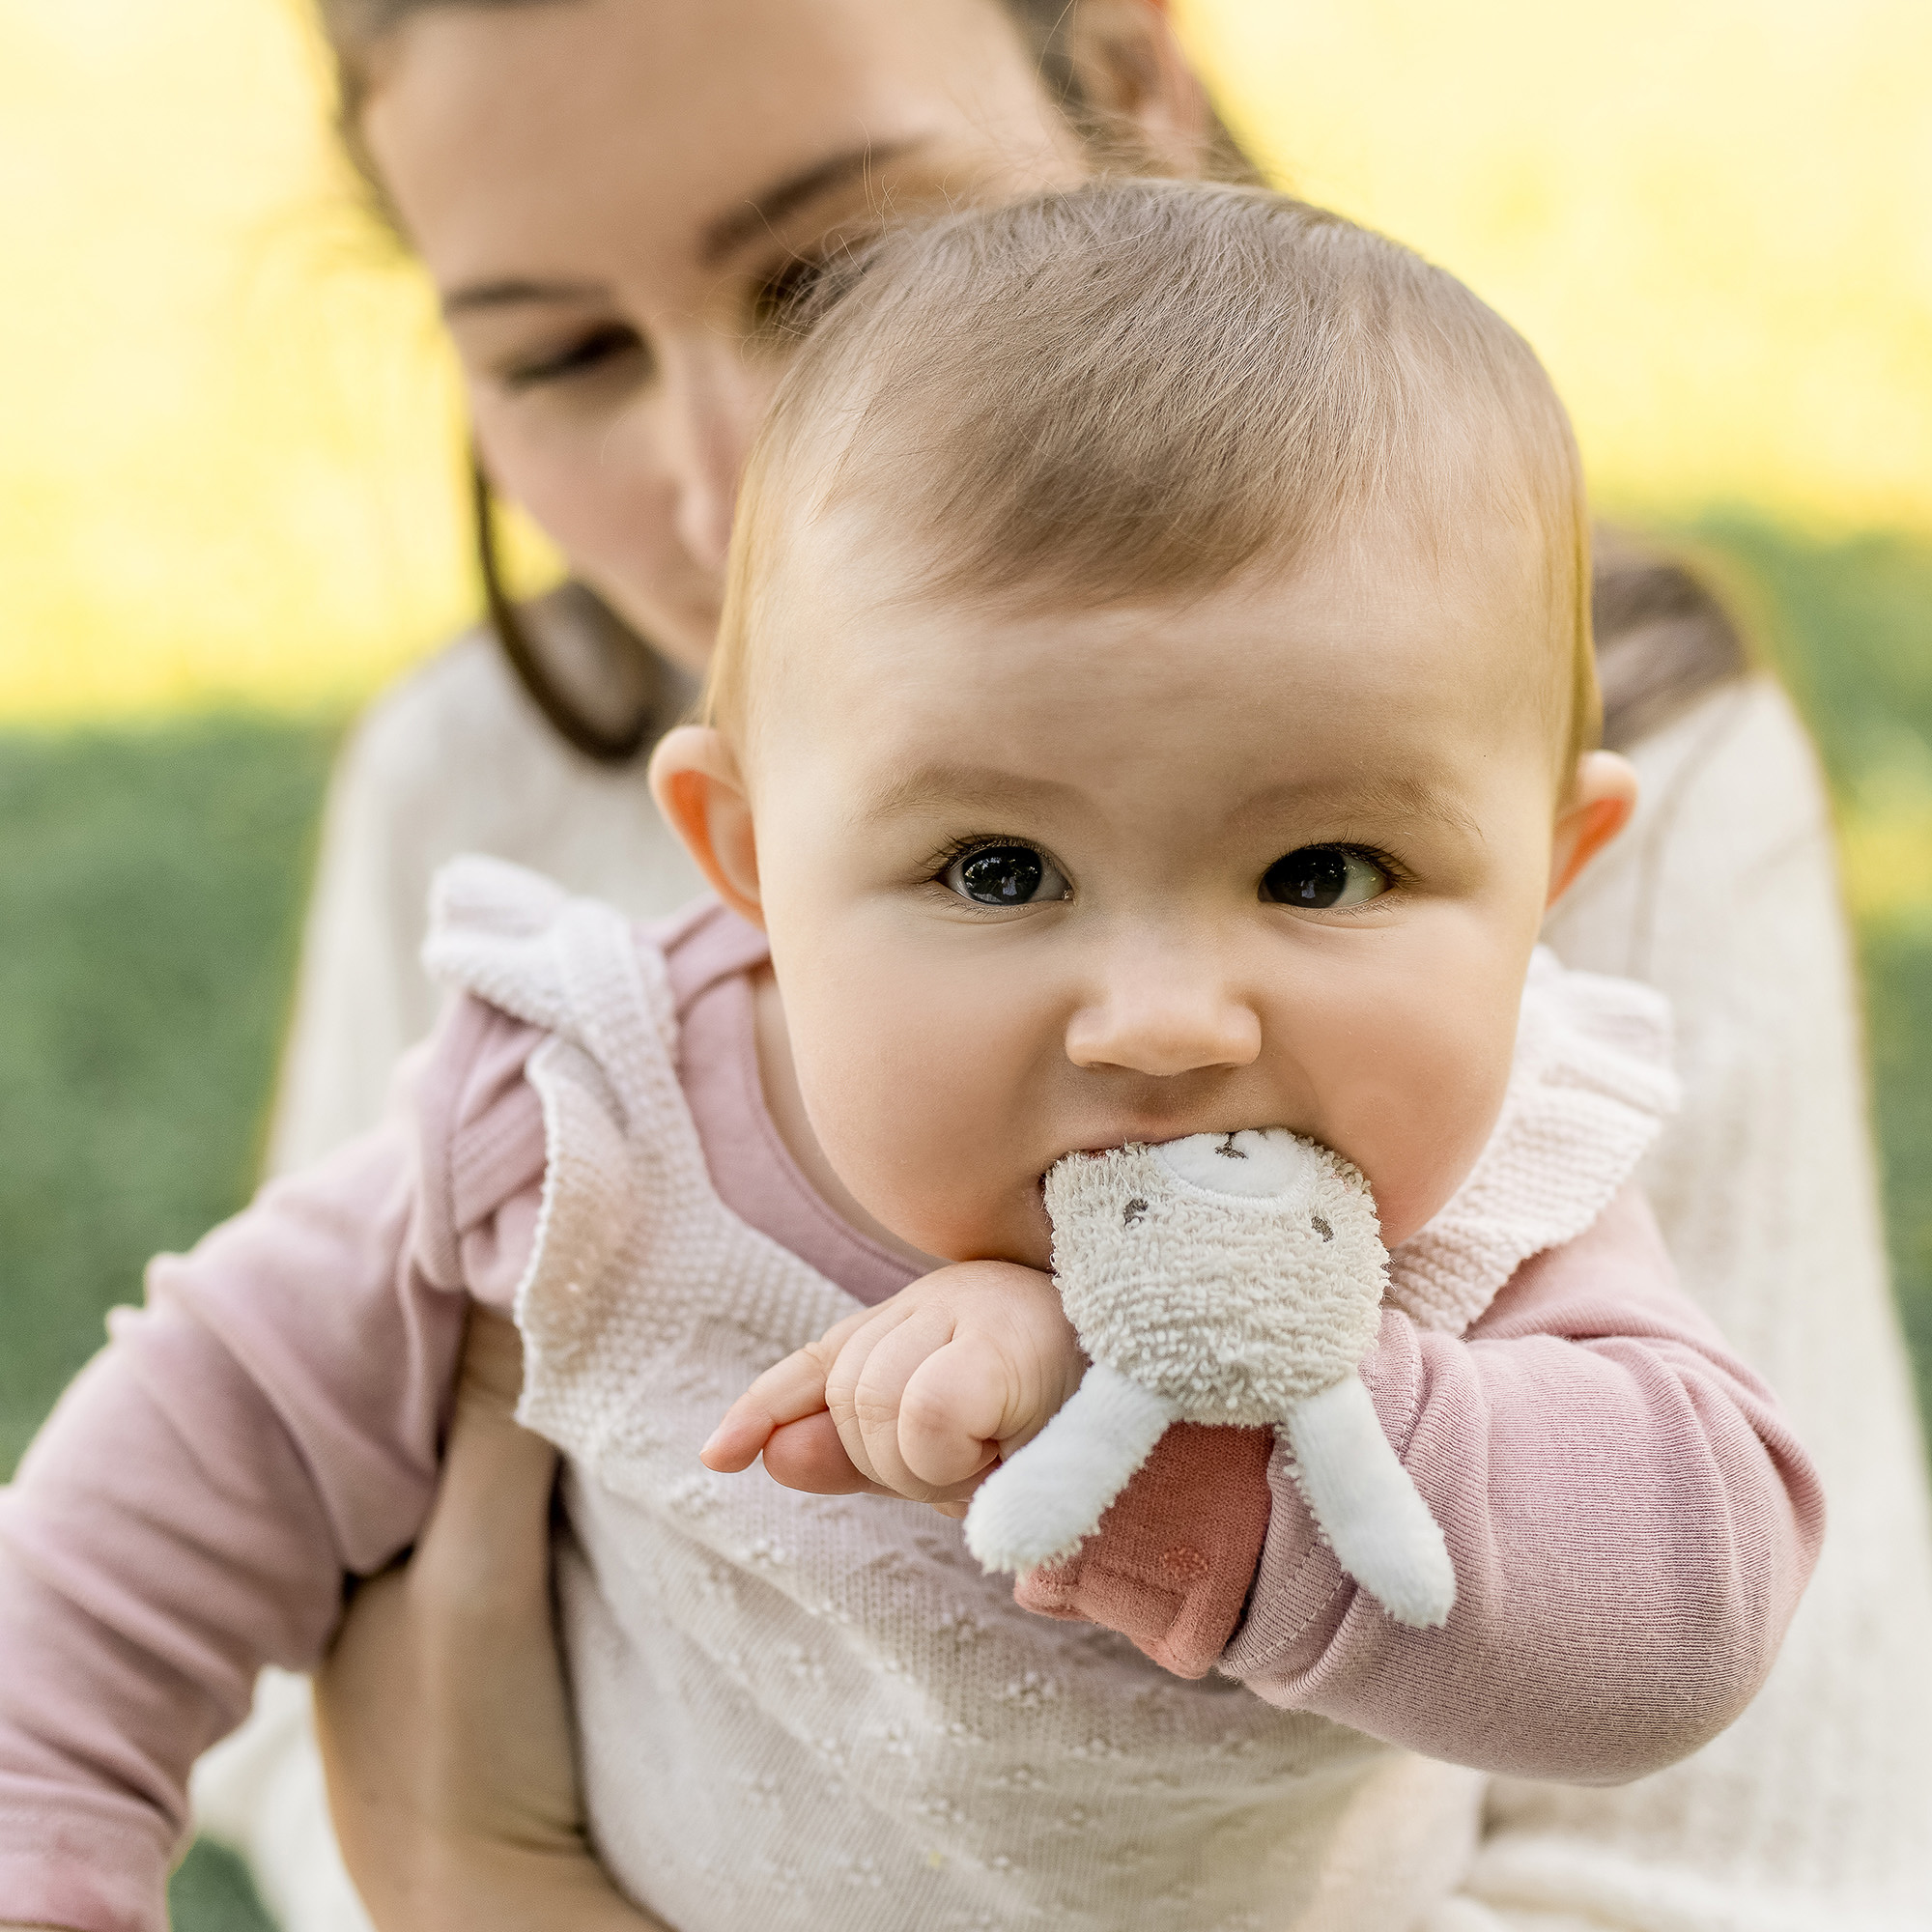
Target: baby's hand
[(918, 1397)]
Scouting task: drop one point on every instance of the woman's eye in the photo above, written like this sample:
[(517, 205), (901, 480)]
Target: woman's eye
[(1004, 875), (1323, 877), (593, 350), (776, 301)]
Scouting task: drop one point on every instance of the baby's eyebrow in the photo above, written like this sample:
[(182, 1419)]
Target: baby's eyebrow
[(971, 787), (1381, 797)]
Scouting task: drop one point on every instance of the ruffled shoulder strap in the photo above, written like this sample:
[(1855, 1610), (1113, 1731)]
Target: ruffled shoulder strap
[(573, 967), (1590, 1086)]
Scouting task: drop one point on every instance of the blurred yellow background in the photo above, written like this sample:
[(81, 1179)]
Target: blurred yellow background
[(228, 432), (1712, 217)]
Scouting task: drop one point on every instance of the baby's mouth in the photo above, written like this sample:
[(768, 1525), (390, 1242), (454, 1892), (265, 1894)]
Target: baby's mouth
[(1160, 1137)]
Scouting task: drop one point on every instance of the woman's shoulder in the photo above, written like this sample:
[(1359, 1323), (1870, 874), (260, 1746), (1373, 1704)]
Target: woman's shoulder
[(455, 757), (1738, 763), (1731, 843), (460, 703)]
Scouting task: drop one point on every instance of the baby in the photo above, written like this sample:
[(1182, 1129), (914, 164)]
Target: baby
[(1155, 697)]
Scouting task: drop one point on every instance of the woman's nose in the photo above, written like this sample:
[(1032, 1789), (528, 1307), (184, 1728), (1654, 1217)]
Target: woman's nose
[(715, 415), (1163, 1023)]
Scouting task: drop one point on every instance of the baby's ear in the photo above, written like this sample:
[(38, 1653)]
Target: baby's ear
[(1597, 806), (700, 790)]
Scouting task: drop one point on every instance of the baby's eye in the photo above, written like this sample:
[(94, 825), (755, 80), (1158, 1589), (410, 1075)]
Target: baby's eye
[(1323, 877), (1006, 875)]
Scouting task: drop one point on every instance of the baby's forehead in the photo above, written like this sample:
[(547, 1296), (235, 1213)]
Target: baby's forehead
[(1139, 392), (1392, 636)]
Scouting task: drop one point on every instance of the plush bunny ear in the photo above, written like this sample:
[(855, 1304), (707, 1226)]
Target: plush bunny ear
[(1375, 1521), (1046, 1500)]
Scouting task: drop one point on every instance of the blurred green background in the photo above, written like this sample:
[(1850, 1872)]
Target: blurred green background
[(230, 506)]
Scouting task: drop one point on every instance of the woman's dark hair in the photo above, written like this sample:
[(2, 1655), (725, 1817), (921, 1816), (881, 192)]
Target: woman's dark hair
[(1662, 637)]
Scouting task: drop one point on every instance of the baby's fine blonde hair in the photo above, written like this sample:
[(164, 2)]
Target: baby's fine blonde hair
[(1143, 389)]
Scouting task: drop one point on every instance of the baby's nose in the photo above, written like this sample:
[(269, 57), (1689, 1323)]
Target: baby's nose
[(1143, 1025)]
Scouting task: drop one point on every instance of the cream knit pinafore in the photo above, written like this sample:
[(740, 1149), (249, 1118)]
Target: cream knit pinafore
[(815, 1712)]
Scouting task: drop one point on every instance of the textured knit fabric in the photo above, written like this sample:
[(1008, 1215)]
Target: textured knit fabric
[(305, 1351), (1815, 1810), (1590, 1083)]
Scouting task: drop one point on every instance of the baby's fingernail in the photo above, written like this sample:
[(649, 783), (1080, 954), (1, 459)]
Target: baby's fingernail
[(711, 1443)]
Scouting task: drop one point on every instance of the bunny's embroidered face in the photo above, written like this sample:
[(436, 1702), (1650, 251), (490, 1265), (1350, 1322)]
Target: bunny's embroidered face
[(1232, 1274)]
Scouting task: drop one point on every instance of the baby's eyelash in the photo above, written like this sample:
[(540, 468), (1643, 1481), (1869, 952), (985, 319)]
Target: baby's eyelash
[(936, 861), (1398, 874)]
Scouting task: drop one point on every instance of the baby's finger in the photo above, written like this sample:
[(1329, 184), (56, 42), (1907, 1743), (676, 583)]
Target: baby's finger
[(876, 1396), (809, 1455), (845, 1368), (954, 1410), (787, 1392)]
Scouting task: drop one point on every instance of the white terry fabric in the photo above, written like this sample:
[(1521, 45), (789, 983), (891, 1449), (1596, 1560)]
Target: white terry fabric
[(816, 1710), (1040, 1505), (1371, 1514), (1222, 1278), (1591, 1084), (1232, 1304)]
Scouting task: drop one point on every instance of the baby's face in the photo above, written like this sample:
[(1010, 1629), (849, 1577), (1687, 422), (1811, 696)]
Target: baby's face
[(1274, 856)]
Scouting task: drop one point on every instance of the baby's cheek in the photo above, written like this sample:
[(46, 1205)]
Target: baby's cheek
[(919, 1157), (1417, 1114)]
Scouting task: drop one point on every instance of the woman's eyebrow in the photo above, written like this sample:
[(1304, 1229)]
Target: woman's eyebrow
[(759, 213), (511, 290), (755, 217)]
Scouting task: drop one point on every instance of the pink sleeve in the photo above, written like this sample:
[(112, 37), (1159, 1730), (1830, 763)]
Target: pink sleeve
[(267, 1424), (1631, 1522)]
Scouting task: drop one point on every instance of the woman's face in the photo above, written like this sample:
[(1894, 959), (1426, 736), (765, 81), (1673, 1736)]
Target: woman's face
[(611, 196)]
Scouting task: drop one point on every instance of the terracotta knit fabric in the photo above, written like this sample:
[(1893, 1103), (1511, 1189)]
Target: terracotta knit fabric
[(1173, 1559)]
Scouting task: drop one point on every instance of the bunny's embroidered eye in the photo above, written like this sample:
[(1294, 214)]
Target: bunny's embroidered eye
[(1006, 875), (1324, 878)]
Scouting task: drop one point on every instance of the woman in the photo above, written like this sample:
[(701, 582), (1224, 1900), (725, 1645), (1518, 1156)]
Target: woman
[(618, 199)]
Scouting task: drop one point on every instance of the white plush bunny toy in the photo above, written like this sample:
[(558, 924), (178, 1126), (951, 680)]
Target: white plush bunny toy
[(1224, 1278)]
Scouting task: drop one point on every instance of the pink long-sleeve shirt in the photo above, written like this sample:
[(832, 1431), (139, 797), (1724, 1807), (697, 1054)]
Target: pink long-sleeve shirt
[(1629, 1519)]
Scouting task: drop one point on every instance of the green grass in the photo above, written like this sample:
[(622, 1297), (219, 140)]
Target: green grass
[(151, 886), (212, 1893)]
